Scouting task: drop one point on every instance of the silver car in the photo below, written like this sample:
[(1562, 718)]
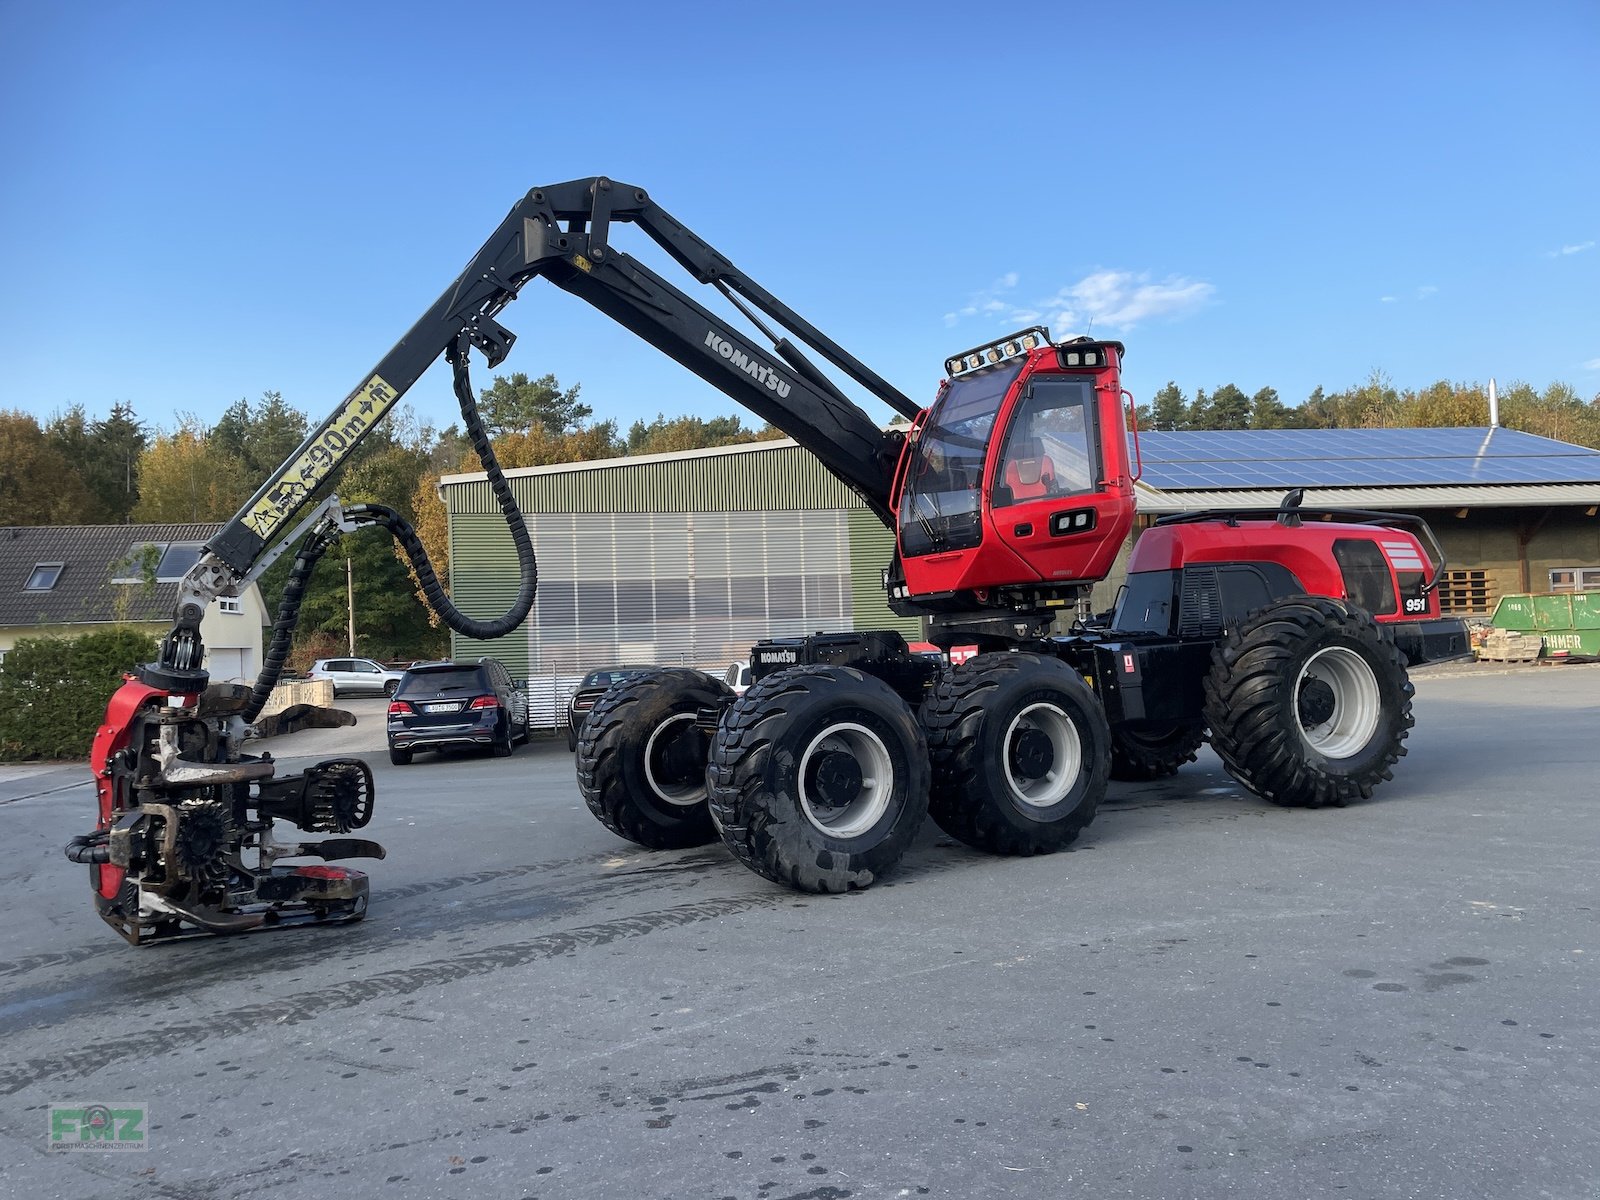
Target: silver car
[(355, 675)]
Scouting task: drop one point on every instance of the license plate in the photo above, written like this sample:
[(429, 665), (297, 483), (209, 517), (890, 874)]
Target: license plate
[(441, 708)]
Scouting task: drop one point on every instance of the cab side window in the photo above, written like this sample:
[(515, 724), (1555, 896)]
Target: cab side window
[(1050, 445)]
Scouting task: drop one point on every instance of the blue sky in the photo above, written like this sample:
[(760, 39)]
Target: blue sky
[(202, 202)]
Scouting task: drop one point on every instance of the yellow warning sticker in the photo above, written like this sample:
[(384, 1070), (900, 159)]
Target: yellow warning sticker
[(329, 448)]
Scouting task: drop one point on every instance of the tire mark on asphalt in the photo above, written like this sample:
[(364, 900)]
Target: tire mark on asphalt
[(381, 898), (307, 1006), (184, 971)]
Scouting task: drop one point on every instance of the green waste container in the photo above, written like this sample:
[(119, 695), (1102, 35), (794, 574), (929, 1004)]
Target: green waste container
[(1568, 623)]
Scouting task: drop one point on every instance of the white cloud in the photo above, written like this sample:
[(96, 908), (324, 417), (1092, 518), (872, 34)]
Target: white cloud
[(988, 301), (1106, 300), (1575, 248), (1592, 365), (1424, 292)]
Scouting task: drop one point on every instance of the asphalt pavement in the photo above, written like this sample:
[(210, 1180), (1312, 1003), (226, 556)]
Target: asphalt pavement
[(1210, 996)]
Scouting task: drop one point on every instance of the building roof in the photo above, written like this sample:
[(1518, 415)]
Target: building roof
[(1385, 458), (88, 555), (631, 460), (1154, 502)]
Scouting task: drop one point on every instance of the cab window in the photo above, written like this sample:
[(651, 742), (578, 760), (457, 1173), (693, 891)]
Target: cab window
[(1050, 446)]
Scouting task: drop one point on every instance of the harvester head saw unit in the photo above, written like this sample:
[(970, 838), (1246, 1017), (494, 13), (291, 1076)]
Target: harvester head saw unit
[(185, 842)]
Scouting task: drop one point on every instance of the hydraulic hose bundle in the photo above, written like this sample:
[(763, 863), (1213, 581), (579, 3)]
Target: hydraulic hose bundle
[(317, 542)]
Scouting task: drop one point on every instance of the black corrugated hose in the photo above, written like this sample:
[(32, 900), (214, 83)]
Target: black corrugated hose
[(313, 547)]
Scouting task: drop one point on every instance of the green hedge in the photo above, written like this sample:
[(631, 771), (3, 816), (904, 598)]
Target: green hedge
[(53, 690)]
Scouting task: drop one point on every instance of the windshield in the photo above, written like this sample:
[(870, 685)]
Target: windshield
[(436, 682), (605, 679), (939, 507)]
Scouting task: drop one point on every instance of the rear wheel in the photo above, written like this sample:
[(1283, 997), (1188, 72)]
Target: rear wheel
[(1309, 704), (1020, 753), (641, 759), (390, 686), (1154, 751), (504, 741), (400, 758), (819, 778)]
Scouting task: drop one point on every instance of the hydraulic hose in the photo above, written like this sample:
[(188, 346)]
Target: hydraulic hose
[(305, 561), (89, 848), (316, 544), (406, 535)]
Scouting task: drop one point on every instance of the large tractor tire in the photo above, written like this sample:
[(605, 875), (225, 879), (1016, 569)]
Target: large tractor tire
[(641, 760), (819, 778), (1155, 751), (1020, 752), (1308, 703)]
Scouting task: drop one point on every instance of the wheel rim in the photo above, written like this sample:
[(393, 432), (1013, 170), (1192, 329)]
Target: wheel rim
[(1337, 705), (664, 763), (846, 780), (1043, 755)]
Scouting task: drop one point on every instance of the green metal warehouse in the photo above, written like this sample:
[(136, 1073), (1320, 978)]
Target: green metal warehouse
[(672, 559)]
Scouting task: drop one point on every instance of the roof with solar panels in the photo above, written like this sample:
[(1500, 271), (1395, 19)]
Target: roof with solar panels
[(1403, 468)]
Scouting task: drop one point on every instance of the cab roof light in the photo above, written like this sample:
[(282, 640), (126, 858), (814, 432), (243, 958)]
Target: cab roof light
[(994, 353)]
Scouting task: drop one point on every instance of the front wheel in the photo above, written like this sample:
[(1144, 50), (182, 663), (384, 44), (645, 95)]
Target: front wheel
[(641, 758), (1020, 753), (819, 778), (1309, 704)]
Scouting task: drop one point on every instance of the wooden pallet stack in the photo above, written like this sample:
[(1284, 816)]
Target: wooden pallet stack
[(1469, 593)]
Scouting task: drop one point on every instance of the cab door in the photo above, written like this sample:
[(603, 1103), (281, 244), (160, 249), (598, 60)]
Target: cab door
[(1048, 480)]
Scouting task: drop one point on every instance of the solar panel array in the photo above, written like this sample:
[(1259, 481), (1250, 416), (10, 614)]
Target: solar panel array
[(1283, 458)]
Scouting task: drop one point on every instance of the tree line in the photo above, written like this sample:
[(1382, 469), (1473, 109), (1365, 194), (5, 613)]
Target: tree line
[(1557, 412)]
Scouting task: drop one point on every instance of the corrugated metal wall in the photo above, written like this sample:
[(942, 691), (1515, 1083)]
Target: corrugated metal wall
[(871, 547), (668, 562)]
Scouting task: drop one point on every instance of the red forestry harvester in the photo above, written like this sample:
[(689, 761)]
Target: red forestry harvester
[(1283, 637)]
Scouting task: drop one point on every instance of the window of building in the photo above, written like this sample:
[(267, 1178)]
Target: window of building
[(228, 604), (1575, 579), (44, 577), (173, 561), (177, 561)]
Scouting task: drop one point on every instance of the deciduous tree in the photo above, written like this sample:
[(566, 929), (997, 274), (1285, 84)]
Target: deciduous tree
[(183, 476), (38, 486)]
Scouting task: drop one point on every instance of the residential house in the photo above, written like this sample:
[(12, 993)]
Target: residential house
[(65, 580)]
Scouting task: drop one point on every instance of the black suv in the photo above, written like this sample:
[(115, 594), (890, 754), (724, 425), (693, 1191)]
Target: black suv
[(594, 686), (443, 704)]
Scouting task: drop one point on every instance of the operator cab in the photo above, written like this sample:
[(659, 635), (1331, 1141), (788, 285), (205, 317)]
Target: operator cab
[(1015, 486)]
